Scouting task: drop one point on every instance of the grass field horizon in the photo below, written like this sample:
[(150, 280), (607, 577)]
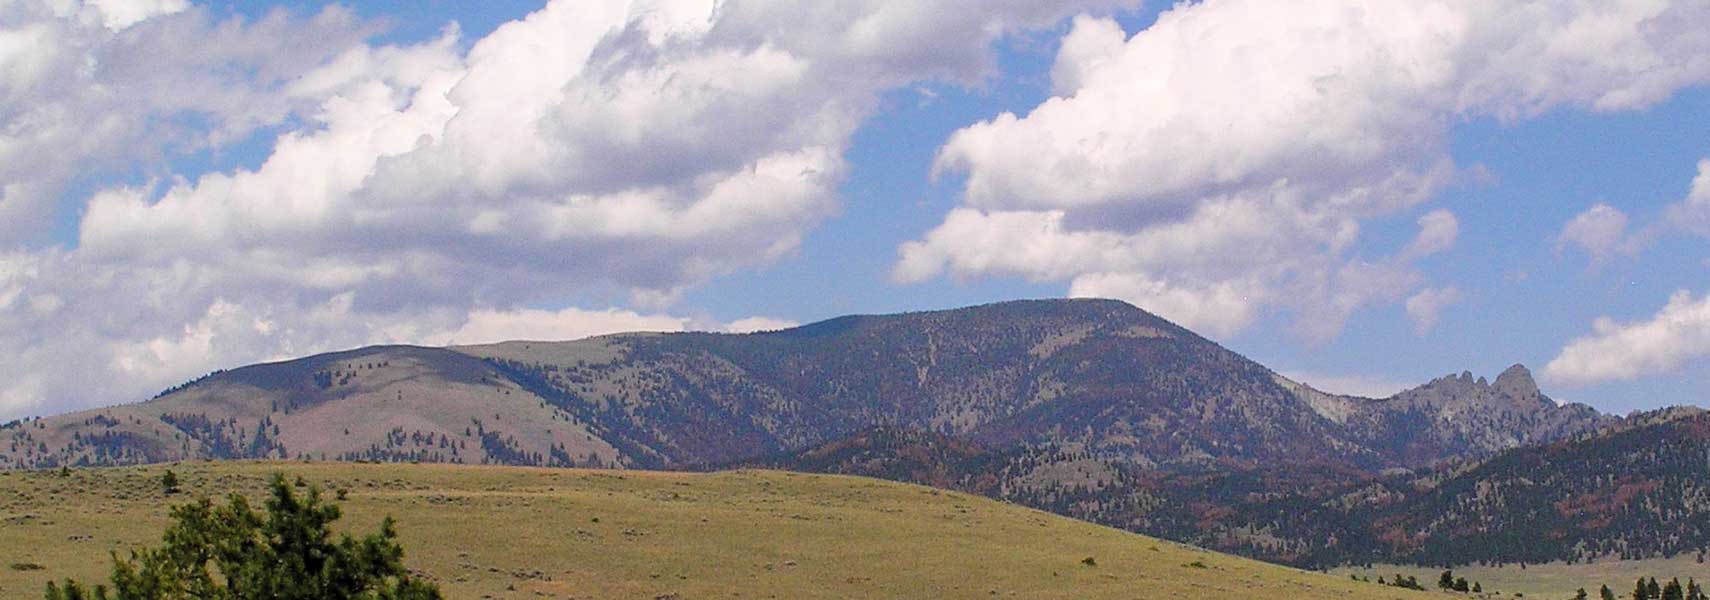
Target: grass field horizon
[(1554, 579), (513, 532)]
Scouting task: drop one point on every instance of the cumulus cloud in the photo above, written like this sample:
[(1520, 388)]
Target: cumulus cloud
[(430, 192), (1674, 337), (119, 14), (1221, 162), (1424, 307), (1438, 230), (1600, 232), (111, 87)]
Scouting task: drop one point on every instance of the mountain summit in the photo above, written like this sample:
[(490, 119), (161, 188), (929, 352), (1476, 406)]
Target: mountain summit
[(1459, 416), (1517, 382)]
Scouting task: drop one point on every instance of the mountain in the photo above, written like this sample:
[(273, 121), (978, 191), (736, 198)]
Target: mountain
[(1090, 408), (1095, 375), (1456, 416)]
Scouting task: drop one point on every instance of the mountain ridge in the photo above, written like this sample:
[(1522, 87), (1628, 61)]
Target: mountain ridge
[(1633, 490), (1087, 372)]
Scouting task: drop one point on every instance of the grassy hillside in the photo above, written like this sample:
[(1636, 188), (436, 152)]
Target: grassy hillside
[(520, 533)]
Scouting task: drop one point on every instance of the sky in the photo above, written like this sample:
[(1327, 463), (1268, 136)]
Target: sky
[(1360, 195)]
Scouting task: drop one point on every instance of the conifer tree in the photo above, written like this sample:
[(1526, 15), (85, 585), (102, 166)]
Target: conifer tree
[(169, 482)]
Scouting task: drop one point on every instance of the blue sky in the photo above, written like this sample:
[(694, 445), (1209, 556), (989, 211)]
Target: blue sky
[(1397, 206)]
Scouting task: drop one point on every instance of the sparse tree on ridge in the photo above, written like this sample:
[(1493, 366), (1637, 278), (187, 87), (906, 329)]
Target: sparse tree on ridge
[(1673, 590)]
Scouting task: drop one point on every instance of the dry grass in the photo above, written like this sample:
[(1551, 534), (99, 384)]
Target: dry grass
[(505, 532)]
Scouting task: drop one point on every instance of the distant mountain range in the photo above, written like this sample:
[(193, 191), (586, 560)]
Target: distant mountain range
[(1092, 408), (1638, 489)]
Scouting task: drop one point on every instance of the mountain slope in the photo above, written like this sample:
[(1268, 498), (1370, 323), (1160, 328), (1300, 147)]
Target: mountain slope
[(1633, 492), (1636, 490), (380, 403)]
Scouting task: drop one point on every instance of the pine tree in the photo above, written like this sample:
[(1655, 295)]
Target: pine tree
[(1580, 595), (1446, 580), (1673, 591), (1461, 585), (1640, 591), (169, 482), (288, 553)]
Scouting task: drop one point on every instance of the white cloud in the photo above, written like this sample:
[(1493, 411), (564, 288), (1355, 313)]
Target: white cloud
[(102, 87), (756, 324), (1271, 132), (424, 192), (1675, 336), (1599, 232), (1438, 230), (657, 145), (119, 14), (487, 326), (1220, 310), (1197, 272), (1693, 213), (1425, 307)]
